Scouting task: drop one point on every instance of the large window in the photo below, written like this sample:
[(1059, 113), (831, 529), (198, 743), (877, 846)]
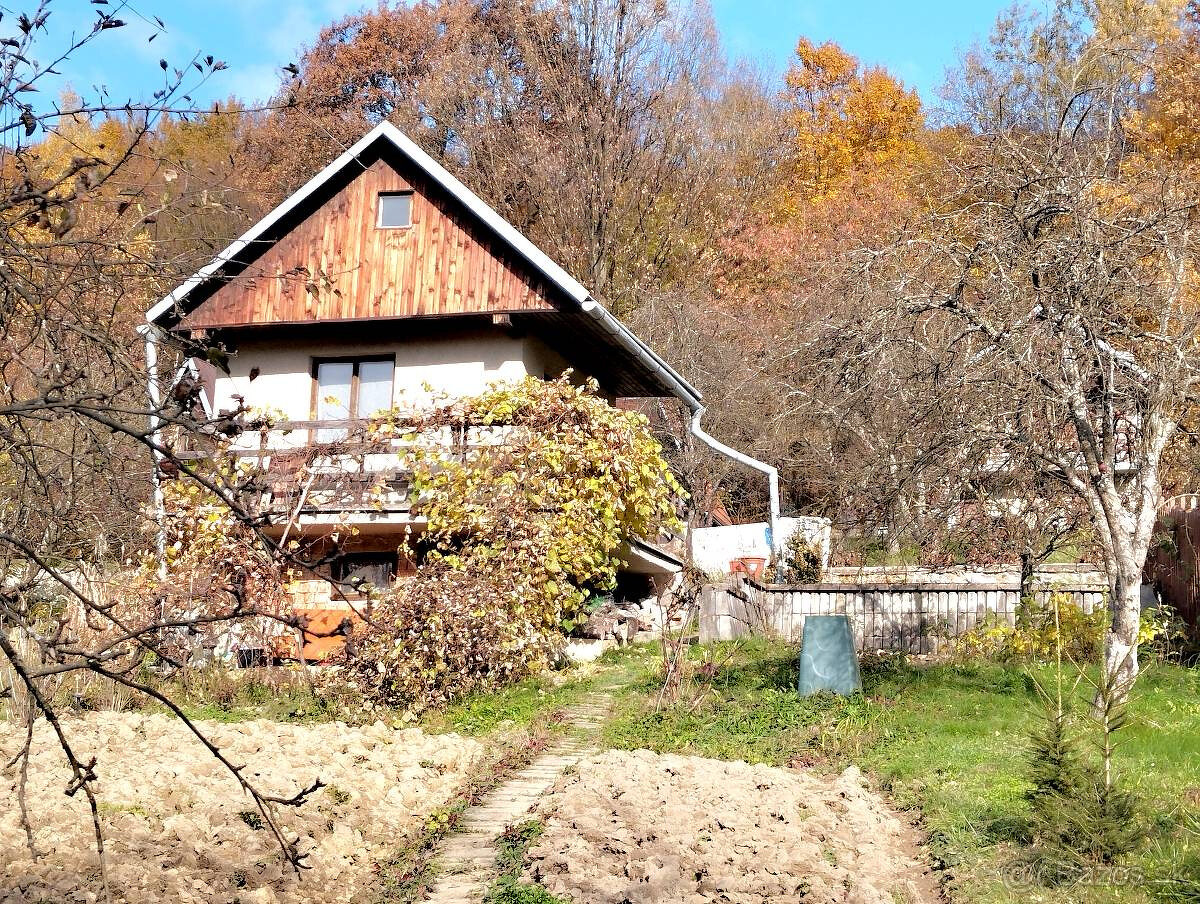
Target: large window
[(346, 389)]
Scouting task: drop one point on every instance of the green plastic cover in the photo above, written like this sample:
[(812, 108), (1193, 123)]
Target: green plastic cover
[(827, 658)]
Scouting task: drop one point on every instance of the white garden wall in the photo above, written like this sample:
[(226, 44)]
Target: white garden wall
[(713, 548)]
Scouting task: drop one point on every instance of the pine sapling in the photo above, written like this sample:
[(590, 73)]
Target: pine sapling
[(1079, 814)]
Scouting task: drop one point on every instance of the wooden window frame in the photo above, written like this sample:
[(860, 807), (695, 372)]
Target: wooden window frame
[(356, 360), (345, 563), (379, 196)]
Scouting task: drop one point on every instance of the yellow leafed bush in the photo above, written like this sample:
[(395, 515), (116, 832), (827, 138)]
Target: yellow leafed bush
[(524, 526), (1037, 634)]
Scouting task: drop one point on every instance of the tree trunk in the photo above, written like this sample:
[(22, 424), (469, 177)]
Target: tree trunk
[(1120, 642), (1027, 572), (1125, 538)]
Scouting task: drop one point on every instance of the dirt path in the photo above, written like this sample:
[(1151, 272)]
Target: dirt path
[(467, 859)]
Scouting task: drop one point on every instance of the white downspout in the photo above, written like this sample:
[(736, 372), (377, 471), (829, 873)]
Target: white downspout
[(740, 457), (155, 394), (691, 398)]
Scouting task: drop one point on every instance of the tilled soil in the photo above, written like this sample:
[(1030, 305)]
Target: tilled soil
[(645, 828), (179, 829)]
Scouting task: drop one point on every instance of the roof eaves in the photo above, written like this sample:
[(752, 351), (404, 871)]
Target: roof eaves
[(650, 554), (683, 390)]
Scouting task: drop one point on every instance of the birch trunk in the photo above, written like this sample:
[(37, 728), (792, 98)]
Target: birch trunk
[(1126, 523), (1125, 606)]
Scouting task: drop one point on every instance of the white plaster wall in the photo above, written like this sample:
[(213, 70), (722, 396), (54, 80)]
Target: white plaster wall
[(430, 367), (541, 360), (713, 548), (454, 366)]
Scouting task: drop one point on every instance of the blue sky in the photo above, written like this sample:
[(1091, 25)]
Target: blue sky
[(916, 40)]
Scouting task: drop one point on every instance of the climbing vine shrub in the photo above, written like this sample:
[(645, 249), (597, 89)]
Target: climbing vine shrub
[(526, 519), (443, 633)]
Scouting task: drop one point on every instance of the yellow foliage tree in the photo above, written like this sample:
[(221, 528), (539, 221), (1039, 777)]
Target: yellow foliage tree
[(1168, 123), (848, 121)]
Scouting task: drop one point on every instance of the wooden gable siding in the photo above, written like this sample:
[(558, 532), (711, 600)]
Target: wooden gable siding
[(338, 265)]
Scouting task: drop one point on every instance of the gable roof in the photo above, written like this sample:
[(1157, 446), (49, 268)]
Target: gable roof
[(596, 320)]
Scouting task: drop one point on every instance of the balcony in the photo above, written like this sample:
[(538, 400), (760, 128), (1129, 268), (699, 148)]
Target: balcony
[(320, 470)]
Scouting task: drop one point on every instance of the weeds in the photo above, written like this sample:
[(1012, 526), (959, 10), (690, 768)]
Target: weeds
[(745, 706), (511, 849), (252, 818)]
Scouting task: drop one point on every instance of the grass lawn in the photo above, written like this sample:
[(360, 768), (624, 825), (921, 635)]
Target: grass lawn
[(537, 698), (947, 742)]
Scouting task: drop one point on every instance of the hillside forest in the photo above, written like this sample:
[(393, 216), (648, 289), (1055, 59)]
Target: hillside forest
[(963, 327)]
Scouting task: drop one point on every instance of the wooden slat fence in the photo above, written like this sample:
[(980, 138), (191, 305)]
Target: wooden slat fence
[(1173, 566), (884, 616)]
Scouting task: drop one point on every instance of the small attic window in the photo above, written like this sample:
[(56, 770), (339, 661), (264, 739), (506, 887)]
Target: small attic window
[(395, 210)]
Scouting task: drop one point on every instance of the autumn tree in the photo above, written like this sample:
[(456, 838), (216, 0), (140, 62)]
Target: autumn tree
[(1056, 284), (838, 164), (848, 121), (195, 174), (587, 125)]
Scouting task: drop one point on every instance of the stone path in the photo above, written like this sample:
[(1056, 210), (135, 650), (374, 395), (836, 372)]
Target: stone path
[(467, 859)]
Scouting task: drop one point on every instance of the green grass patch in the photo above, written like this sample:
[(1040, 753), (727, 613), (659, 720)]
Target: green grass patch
[(958, 749), (748, 710), (518, 705), (540, 697)]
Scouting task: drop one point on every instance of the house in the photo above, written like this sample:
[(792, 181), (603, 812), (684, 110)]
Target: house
[(383, 283)]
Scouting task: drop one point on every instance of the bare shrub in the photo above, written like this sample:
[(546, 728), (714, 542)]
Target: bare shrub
[(442, 634)]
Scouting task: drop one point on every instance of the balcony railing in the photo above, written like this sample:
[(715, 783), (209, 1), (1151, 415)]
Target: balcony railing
[(308, 467)]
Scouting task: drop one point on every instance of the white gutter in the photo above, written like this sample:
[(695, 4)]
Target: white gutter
[(692, 398), (686, 393), (150, 333), (753, 463)]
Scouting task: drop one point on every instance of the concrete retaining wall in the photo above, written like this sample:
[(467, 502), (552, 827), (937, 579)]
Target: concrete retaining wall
[(713, 548)]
